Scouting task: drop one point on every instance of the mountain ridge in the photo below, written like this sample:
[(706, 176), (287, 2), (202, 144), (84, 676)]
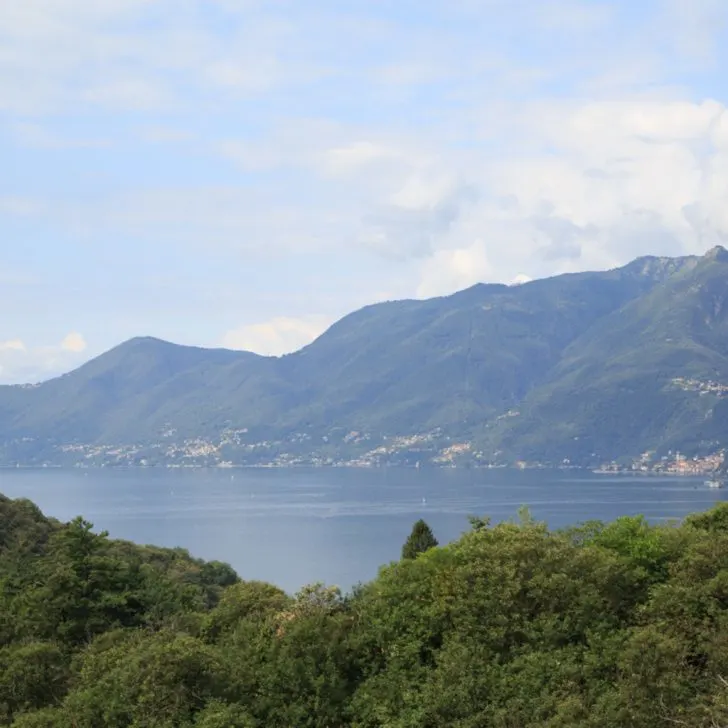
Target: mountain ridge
[(451, 369)]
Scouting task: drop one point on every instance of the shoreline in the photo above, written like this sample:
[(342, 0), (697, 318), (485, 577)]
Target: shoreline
[(358, 466)]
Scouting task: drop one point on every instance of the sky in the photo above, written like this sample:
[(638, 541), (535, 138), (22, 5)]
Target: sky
[(242, 173)]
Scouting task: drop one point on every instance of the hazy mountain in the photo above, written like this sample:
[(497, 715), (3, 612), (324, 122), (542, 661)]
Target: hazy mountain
[(590, 363)]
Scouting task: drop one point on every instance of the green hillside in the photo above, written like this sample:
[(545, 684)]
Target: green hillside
[(586, 367), (632, 381)]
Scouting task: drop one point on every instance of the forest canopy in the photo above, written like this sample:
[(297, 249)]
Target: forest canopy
[(618, 624)]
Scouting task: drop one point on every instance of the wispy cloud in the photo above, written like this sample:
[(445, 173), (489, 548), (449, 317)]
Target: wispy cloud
[(416, 147)]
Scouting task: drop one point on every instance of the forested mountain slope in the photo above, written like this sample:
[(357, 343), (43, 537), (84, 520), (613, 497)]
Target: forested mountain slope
[(583, 366), (648, 375)]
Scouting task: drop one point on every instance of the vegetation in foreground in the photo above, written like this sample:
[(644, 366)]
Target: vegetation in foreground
[(620, 624)]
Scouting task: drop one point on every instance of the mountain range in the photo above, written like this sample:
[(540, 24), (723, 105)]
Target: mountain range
[(581, 368)]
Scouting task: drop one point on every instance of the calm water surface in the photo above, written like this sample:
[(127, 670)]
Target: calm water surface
[(291, 527)]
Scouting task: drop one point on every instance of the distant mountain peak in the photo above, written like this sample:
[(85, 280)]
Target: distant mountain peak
[(658, 268), (596, 365), (717, 252), (147, 341)]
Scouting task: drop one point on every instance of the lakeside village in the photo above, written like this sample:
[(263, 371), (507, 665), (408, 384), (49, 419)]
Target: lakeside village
[(353, 449), (677, 464)]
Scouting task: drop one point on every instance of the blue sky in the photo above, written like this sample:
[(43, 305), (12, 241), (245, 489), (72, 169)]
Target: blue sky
[(242, 173)]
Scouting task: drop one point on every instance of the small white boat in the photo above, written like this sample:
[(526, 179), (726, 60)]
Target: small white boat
[(714, 483)]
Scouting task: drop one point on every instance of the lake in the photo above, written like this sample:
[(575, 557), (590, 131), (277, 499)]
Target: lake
[(292, 527)]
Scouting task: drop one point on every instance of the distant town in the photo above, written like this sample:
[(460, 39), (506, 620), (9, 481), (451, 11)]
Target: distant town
[(671, 464), (338, 449)]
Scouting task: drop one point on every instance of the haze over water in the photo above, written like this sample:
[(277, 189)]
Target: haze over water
[(292, 527)]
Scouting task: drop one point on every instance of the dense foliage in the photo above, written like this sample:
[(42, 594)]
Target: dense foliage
[(620, 624), (586, 359)]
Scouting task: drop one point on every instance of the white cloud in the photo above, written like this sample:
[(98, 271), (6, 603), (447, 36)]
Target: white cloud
[(74, 342), (597, 184), (280, 335), (21, 363), (451, 270), (417, 218), (141, 55), (614, 167), (434, 153), (574, 185), (75, 38)]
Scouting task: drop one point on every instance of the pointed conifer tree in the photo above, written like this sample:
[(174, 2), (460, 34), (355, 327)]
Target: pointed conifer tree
[(419, 540)]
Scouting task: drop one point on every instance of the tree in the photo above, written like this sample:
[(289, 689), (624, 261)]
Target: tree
[(218, 714), (81, 589), (32, 675), (421, 539), (159, 680), (254, 600)]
